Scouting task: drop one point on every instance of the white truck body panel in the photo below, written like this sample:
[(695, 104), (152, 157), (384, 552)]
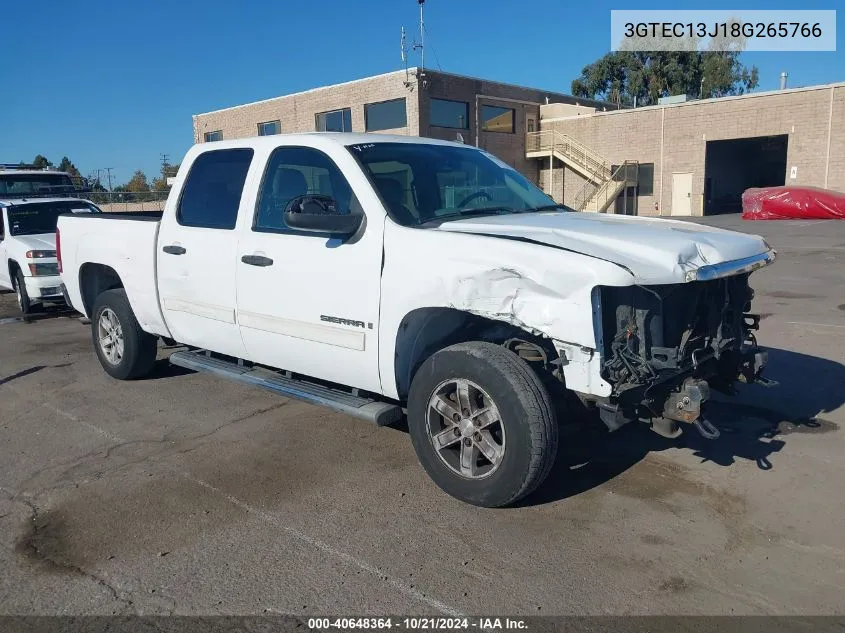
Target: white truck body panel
[(126, 246), (537, 271)]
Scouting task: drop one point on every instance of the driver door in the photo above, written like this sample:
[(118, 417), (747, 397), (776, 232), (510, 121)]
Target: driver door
[(307, 302)]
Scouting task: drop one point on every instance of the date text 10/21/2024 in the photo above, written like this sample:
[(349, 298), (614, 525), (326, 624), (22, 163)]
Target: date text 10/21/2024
[(417, 623)]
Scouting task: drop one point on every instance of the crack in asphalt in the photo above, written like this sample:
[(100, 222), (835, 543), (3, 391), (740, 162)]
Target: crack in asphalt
[(29, 547), (70, 464)]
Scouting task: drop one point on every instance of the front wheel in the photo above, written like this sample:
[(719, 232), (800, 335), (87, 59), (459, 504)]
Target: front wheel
[(482, 424), (24, 302), (125, 351)]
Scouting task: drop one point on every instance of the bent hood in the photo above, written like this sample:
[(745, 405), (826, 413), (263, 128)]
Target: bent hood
[(653, 250)]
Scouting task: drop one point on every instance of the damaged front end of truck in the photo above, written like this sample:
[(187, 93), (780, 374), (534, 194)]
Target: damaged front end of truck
[(664, 347)]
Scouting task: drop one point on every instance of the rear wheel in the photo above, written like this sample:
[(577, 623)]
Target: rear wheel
[(482, 424), (24, 302), (125, 351)]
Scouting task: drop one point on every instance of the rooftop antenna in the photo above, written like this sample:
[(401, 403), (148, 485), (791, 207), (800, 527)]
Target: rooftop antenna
[(417, 46), (403, 51), (421, 45), (403, 48)]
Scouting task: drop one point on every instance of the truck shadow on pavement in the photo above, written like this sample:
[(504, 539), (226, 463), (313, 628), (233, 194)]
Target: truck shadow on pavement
[(754, 425)]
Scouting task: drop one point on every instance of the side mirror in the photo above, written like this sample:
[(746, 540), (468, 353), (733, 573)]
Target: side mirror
[(320, 214)]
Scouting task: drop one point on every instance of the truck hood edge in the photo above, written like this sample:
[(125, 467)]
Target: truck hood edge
[(653, 250)]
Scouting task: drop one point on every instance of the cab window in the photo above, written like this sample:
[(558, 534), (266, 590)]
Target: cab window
[(212, 191), (298, 171)]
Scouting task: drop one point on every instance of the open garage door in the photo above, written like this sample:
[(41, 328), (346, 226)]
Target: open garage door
[(734, 165)]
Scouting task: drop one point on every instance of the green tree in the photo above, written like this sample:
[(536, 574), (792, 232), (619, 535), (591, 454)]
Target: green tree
[(167, 171), (138, 183), (625, 76), (41, 162), (69, 167)]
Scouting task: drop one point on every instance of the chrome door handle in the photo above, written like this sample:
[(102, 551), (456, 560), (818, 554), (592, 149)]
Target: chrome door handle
[(173, 249), (257, 260)]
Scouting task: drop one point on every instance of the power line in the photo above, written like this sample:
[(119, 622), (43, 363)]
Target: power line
[(108, 175)]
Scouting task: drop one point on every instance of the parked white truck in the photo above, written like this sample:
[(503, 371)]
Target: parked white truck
[(29, 210), (383, 275)]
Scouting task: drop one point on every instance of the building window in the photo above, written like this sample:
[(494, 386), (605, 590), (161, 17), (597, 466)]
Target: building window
[(269, 128), (645, 179), (446, 113), (217, 135), (496, 119), (335, 121), (387, 115), (212, 191)]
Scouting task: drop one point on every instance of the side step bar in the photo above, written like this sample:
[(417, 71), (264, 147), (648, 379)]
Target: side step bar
[(382, 413)]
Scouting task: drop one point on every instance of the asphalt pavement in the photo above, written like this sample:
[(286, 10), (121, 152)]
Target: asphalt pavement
[(186, 494)]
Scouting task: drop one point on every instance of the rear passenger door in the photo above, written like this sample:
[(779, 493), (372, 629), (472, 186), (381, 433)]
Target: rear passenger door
[(308, 302), (197, 249)]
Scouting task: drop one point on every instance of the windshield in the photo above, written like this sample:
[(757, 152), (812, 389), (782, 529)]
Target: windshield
[(424, 183), (42, 217), (17, 185)]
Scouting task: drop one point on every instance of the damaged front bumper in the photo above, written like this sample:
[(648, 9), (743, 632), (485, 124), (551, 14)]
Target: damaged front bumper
[(664, 347)]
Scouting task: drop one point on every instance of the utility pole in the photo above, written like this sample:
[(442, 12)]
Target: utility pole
[(108, 172), (164, 165)]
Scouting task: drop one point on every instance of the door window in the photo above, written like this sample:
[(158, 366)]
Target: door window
[(212, 192), (297, 171)]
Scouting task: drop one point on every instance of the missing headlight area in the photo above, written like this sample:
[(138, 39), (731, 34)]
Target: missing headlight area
[(652, 333)]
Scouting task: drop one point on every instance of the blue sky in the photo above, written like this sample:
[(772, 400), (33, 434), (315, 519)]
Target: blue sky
[(114, 83)]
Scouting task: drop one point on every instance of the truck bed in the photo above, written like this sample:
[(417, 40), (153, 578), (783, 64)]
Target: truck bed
[(123, 242)]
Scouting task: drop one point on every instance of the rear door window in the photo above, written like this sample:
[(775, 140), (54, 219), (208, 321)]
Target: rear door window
[(212, 192)]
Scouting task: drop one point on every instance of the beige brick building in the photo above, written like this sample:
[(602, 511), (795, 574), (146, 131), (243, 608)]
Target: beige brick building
[(685, 158), (697, 157), (491, 115)]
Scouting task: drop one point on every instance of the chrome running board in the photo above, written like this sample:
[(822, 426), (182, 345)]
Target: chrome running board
[(381, 413)]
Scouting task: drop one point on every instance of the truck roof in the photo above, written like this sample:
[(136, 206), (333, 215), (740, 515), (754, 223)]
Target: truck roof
[(317, 139), (17, 171), (16, 202)]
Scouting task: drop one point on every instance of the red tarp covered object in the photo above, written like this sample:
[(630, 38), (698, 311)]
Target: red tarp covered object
[(793, 203)]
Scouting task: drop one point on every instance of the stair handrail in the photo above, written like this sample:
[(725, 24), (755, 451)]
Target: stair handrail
[(553, 140), (593, 192)]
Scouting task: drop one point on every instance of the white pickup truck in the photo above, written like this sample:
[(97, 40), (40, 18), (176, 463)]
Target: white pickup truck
[(383, 275), (29, 210)]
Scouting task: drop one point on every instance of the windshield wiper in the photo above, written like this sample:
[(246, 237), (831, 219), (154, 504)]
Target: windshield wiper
[(470, 212), (546, 207)]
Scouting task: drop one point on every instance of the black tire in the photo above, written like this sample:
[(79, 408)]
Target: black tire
[(139, 348), (23, 298), (527, 422)]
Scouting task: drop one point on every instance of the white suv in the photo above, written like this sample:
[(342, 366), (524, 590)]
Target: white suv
[(28, 263)]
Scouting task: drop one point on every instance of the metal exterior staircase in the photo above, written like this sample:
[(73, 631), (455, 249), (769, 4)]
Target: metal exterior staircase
[(603, 183), (596, 198), (592, 165)]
